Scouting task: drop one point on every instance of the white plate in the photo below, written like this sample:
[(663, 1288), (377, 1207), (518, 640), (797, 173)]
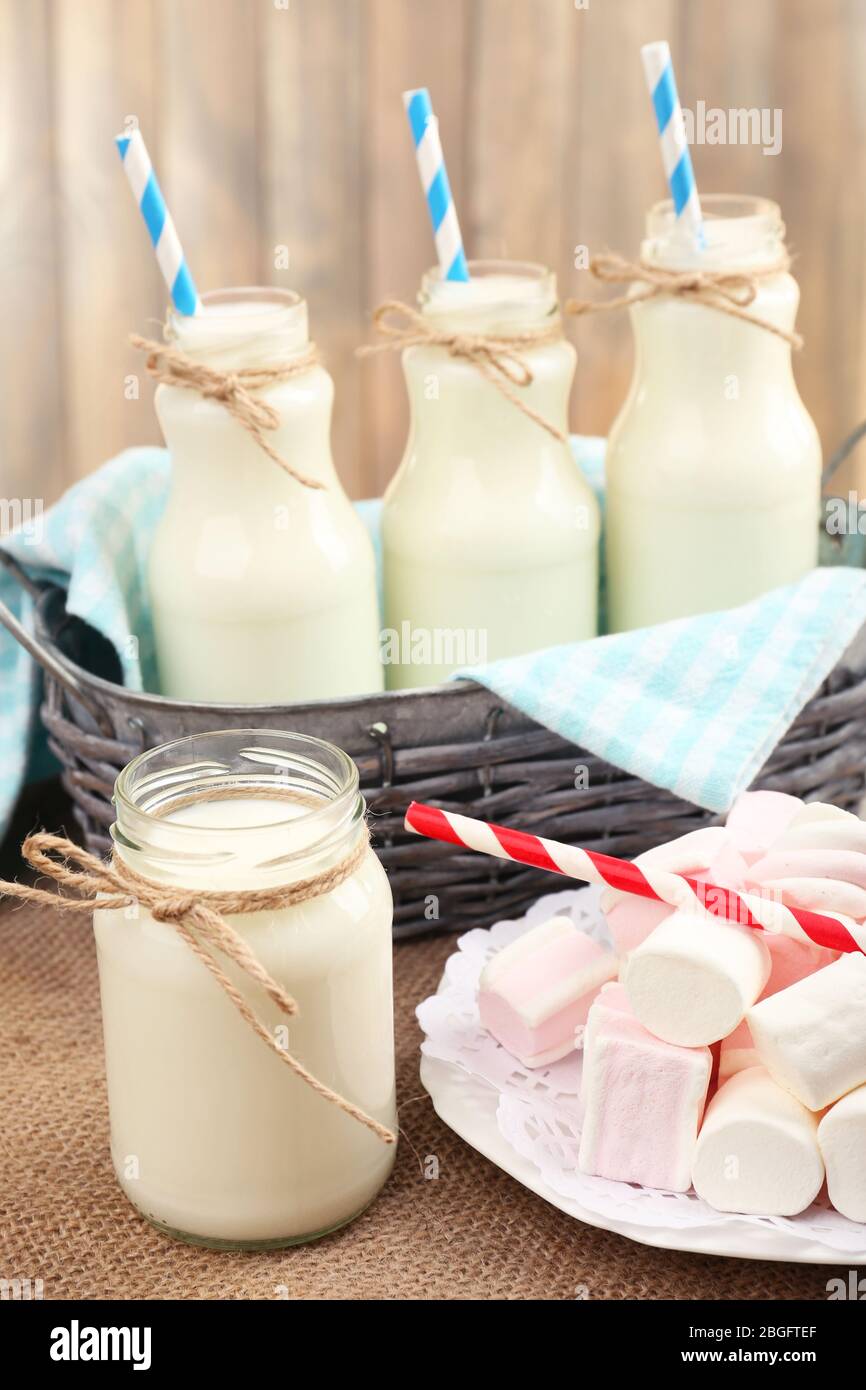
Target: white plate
[(528, 1123), (468, 1106)]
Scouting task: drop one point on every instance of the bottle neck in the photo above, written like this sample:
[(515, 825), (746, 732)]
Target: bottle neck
[(687, 343), (462, 425), (741, 237), (247, 809), (738, 234), (501, 298), (243, 328), (217, 456)]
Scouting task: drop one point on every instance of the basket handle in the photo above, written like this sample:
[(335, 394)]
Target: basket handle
[(56, 668)]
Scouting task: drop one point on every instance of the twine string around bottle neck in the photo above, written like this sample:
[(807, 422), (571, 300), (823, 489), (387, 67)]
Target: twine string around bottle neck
[(731, 292), (199, 918), (497, 356), (236, 390)]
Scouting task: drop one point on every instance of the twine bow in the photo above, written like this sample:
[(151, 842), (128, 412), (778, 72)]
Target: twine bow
[(497, 356), (731, 292), (235, 390), (199, 919)]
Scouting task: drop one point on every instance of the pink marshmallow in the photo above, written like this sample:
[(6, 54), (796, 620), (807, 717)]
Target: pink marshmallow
[(535, 993), (793, 960), (631, 919), (737, 1052), (611, 996), (756, 819), (611, 999), (643, 1104)]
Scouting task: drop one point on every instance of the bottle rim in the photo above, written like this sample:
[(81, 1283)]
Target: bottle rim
[(232, 761), (498, 293), (738, 229), (273, 314)]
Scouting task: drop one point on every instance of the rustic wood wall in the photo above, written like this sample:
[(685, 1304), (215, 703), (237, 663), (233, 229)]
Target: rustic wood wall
[(279, 123)]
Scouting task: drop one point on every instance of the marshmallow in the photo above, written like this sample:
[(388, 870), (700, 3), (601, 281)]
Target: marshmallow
[(819, 826), (811, 1037), (693, 978), (643, 1103), (610, 999), (842, 1140), (790, 961), (820, 895), (757, 819), (737, 1052), (757, 1151), (769, 840), (757, 824), (818, 862), (537, 991), (631, 919)]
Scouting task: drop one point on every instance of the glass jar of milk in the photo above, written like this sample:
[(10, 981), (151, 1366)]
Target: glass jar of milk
[(262, 590), (489, 529), (213, 1139), (713, 464)]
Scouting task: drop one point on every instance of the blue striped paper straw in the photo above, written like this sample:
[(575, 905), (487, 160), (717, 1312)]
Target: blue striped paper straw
[(159, 222), (672, 136), (434, 181)]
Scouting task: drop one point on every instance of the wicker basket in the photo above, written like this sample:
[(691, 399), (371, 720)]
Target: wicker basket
[(457, 745)]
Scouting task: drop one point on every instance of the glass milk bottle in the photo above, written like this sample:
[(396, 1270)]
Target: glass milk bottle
[(713, 464), (489, 529), (262, 590), (213, 1139)]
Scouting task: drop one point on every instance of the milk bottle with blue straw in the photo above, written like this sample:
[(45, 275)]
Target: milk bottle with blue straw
[(262, 577), (713, 464), (490, 532)]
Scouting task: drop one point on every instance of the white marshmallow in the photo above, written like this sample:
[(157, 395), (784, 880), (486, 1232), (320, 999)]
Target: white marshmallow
[(818, 862), (631, 919), (819, 826), (842, 1140), (811, 1037), (692, 980), (820, 895), (757, 1151), (791, 961)]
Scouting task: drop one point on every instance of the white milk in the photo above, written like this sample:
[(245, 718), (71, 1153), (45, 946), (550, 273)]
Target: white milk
[(490, 532), (713, 464), (212, 1137), (263, 590)]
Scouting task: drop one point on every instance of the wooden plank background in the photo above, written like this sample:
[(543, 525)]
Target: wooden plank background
[(279, 124)]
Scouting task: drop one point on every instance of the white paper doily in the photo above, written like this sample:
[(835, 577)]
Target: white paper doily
[(538, 1114)]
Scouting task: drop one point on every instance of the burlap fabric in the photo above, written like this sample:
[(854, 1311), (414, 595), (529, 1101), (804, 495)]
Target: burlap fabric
[(472, 1233)]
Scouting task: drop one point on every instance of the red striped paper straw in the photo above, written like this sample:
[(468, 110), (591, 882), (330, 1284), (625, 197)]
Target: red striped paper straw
[(834, 930)]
